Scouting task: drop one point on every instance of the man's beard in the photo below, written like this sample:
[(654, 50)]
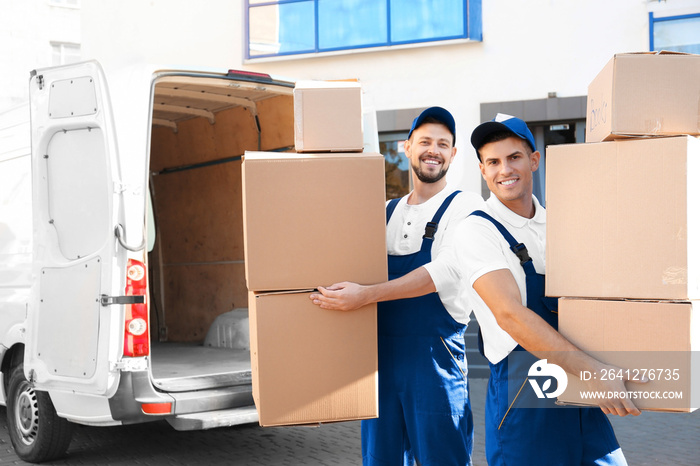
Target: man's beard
[(427, 178)]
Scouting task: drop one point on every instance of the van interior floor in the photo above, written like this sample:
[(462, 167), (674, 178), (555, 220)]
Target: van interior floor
[(179, 367)]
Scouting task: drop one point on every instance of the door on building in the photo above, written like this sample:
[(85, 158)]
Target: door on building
[(396, 166), (550, 134)]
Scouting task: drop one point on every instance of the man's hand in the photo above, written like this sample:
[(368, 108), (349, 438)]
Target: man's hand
[(501, 294), (344, 296), (348, 296), (619, 406)]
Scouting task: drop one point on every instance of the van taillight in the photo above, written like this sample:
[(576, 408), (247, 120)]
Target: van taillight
[(249, 74), (136, 315)]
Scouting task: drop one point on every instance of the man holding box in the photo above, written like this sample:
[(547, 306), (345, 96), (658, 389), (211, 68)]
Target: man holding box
[(424, 409), (518, 324)]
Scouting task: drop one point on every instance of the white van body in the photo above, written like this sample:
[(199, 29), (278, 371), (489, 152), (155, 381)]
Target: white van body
[(122, 288)]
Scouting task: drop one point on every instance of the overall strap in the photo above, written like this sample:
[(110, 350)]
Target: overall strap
[(432, 226), (390, 207), (518, 249)]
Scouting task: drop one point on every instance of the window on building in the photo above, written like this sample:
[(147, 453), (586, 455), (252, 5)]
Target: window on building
[(64, 53), (286, 27), (396, 168), (675, 33)]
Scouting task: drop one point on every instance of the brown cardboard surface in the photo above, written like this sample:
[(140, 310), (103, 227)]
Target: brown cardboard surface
[(619, 218), (313, 219), (644, 95), (636, 335), (196, 294), (327, 116), (276, 116), (199, 214), (198, 141), (311, 365), (199, 249)]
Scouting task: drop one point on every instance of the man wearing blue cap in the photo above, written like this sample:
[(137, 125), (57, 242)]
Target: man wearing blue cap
[(502, 254), (424, 410)]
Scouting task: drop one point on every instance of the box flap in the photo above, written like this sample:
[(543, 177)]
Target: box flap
[(659, 52), (283, 156)]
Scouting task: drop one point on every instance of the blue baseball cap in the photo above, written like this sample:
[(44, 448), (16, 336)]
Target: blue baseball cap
[(441, 115), (502, 122)]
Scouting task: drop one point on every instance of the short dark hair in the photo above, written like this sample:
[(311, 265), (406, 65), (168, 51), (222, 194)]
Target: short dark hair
[(500, 136)]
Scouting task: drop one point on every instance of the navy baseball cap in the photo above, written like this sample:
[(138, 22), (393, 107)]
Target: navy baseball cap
[(502, 122), (441, 115)]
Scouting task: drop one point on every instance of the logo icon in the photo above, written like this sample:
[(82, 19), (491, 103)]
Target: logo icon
[(541, 370)]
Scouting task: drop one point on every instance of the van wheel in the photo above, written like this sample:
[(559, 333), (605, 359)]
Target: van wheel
[(36, 431)]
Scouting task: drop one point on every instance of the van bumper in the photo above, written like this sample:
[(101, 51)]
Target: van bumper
[(135, 389)]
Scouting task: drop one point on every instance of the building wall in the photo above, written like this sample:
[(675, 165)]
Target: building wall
[(529, 50), (27, 30)]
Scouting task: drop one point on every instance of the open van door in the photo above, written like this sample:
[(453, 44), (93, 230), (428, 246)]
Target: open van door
[(75, 207)]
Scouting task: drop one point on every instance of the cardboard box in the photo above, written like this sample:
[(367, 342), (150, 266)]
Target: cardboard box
[(313, 219), (644, 94), (623, 218), (328, 116), (311, 365), (657, 339)]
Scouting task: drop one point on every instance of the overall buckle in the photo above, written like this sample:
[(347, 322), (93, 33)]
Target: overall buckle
[(430, 229), (521, 251)]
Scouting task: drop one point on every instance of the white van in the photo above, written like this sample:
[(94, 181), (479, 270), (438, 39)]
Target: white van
[(122, 288)]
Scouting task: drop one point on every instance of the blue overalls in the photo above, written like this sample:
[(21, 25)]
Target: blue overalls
[(424, 410), (522, 429)]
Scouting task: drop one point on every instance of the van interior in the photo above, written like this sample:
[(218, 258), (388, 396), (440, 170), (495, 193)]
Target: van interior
[(201, 127)]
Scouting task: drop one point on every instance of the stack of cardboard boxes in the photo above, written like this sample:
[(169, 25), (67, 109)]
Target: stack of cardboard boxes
[(623, 229), (311, 218)]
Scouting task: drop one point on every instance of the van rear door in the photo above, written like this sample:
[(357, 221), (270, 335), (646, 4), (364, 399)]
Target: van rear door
[(74, 163)]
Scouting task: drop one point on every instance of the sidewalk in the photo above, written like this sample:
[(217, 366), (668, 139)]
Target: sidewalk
[(650, 439)]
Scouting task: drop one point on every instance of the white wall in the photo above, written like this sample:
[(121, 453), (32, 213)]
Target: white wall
[(27, 28), (174, 32), (529, 48)]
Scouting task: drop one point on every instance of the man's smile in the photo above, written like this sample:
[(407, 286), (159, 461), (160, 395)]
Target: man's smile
[(431, 161)]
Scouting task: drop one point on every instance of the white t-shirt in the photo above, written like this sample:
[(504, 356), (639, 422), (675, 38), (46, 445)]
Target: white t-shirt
[(404, 235), (483, 249)]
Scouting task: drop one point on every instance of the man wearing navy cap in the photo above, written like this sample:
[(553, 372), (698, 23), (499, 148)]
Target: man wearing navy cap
[(502, 255), (424, 410)]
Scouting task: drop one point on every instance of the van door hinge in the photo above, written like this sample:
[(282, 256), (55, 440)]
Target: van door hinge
[(109, 300), (40, 81)]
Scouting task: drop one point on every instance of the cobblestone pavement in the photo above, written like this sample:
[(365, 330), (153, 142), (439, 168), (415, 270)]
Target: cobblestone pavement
[(649, 439)]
